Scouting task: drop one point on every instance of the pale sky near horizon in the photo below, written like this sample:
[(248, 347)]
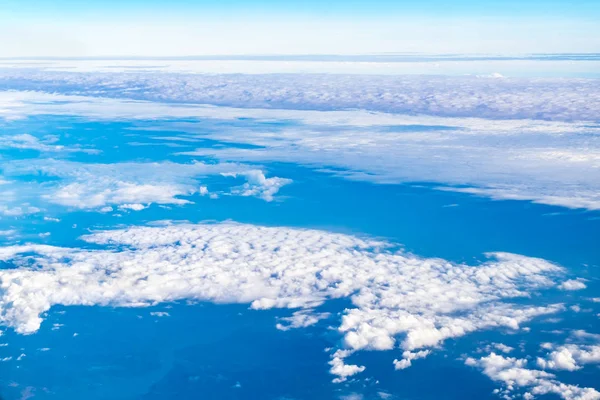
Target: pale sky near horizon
[(67, 28)]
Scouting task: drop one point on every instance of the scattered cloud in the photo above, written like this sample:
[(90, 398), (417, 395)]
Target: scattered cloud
[(133, 186), (26, 141), (572, 284), (570, 357), (301, 319), (514, 374)]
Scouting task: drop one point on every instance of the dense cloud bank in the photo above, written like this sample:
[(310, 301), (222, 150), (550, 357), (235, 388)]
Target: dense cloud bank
[(459, 96)]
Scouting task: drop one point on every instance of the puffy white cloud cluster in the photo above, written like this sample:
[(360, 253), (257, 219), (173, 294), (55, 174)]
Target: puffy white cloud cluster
[(459, 96), (408, 357), (513, 373), (258, 185), (420, 301), (340, 369), (570, 357), (133, 185)]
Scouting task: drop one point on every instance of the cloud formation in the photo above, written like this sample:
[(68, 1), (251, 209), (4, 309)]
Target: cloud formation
[(135, 185), (570, 357), (460, 96), (548, 162), (395, 296), (572, 284), (514, 374)]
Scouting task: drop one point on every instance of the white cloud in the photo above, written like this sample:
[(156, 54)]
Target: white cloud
[(503, 348), (547, 162), (572, 284), (513, 373), (133, 186), (570, 357), (463, 96), (342, 370), (258, 185), (132, 207), (495, 346), (18, 211), (160, 314), (26, 141), (408, 357), (301, 319), (394, 295)]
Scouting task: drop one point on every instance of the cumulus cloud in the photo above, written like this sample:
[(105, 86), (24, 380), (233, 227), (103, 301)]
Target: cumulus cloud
[(258, 185), (342, 370), (572, 284), (420, 301), (408, 357), (570, 357), (514, 374)]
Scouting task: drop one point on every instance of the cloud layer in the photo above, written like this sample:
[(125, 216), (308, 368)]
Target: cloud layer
[(461, 96), (548, 162)]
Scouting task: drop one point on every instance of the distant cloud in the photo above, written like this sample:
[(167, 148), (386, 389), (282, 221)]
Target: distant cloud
[(559, 99), (547, 162)]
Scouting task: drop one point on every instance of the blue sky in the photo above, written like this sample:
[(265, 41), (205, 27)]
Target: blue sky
[(179, 28), (356, 8)]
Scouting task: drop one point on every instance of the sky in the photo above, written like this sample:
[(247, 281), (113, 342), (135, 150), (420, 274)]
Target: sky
[(67, 28)]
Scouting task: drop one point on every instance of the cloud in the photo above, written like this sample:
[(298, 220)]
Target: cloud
[(572, 284), (258, 185), (301, 319), (513, 373), (342, 370), (133, 186), (547, 162), (460, 96), (408, 357), (570, 357), (503, 348), (26, 141), (18, 211), (394, 295)]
